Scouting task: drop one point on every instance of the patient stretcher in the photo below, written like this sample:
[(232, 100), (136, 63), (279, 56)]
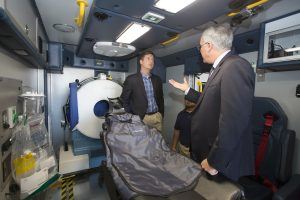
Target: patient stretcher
[(140, 166)]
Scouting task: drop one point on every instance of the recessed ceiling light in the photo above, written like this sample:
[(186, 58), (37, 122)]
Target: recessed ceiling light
[(173, 6), (64, 28), (133, 32)]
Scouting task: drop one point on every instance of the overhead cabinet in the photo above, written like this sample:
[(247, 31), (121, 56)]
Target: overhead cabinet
[(280, 43), (21, 31), (24, 16)]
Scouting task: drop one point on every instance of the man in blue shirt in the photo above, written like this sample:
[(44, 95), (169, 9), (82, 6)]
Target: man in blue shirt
[(182, 130), (143, 94)]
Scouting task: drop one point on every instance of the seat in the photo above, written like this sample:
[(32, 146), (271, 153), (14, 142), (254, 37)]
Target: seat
[(276, 165)]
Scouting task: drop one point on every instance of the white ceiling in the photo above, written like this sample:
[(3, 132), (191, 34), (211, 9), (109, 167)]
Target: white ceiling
[(62, 12)]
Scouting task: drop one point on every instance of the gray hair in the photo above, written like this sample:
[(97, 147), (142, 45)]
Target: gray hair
[(220, 36)]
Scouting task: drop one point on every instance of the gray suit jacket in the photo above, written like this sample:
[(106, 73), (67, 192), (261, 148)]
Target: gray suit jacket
[(221, 123)]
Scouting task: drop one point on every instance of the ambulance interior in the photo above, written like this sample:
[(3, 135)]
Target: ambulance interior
[(63, 57)]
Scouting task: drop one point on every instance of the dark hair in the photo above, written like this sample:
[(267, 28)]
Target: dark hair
[(143, 54), (192, 100)]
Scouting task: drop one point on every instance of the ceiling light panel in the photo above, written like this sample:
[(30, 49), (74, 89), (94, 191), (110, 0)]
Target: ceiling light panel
[(173, 6), (133, 32)]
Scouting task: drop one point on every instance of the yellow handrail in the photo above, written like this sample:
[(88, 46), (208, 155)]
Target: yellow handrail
[(233, 13), (173, 39), (248, 7), (253, 5), (82, 4)]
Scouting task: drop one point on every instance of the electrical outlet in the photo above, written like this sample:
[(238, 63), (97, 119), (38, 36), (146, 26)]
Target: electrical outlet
[(62, 123), (260, 75), (298, 91)]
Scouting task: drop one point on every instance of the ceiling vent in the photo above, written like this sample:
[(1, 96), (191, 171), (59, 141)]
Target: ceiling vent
[(113, 49), (153, 17), (101, 16)]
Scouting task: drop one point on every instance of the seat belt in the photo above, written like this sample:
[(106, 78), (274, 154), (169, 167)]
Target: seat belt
[(261, 152)]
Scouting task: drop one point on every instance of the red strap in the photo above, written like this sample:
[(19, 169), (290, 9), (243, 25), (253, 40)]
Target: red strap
[(262, 151), (263, 142), (270, 185)]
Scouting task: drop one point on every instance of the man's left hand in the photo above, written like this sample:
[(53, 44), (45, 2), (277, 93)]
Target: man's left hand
[(212, 171)]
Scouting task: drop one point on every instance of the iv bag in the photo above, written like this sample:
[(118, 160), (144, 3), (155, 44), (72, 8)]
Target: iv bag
[(23, 156), (33, 158)]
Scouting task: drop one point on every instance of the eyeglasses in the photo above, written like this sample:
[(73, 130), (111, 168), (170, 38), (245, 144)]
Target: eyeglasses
[(200, 46)]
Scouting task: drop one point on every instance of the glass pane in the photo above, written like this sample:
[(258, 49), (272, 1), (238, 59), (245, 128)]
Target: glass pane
[(284, 44)]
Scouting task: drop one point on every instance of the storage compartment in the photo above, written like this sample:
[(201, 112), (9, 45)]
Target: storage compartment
[(21, 32), (280, 43), (24, 15)]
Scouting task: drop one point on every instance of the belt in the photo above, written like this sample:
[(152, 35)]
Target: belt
[(151, 113)]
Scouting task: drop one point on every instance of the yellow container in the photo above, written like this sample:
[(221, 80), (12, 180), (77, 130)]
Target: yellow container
[(24, 164)]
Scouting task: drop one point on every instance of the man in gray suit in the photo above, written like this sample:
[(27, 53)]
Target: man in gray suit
[(221, 126)]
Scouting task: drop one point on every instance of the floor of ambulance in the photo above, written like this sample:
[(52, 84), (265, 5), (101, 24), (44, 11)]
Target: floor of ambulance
[(78, 187)]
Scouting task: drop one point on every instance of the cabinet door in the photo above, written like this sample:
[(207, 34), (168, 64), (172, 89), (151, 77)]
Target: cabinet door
[(41, 41), (24, 15), (194, 65)]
